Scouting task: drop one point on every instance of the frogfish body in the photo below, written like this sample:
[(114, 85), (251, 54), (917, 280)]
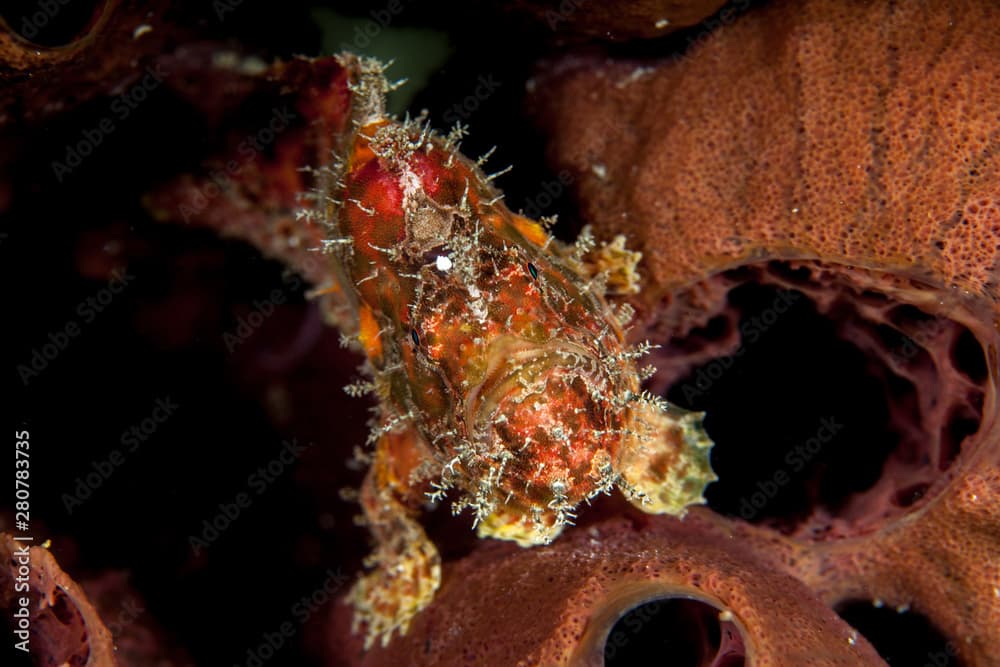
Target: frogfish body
[(502, 373)]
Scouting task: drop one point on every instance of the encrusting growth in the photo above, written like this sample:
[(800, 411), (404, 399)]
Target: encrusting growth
[(502, 375)]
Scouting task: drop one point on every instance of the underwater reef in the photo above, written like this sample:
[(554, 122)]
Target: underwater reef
[(308, 376)]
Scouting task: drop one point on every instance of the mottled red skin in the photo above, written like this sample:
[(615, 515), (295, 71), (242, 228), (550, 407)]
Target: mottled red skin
[(410, 297), (859, 135)]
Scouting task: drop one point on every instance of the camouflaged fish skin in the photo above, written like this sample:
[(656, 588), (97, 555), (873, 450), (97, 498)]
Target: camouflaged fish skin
[(503, 378)]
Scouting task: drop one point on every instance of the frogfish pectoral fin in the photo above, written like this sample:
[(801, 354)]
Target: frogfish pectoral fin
[(665, 467)]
